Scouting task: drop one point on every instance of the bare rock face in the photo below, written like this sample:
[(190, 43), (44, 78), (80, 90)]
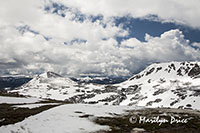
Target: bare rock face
[(52, 75), (150, 71), (195, 71)]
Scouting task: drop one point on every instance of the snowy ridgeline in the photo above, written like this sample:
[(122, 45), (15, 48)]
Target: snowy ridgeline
[(174, 84), (69, 117)]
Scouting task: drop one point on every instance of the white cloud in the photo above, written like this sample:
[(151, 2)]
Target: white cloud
[(133, 42), (31, 53), (196, 45), (186, 12), (20, 11)]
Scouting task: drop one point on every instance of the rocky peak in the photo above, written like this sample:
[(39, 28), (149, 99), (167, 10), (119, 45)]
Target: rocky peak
[(182, 69), (50, 74), (195, 71)]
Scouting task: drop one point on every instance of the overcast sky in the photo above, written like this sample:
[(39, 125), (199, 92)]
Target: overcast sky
[(108, 37)]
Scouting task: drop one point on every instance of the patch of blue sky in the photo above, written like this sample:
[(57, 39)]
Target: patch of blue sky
[(47, 38), (60, 9), (139, 27), (26, 28), (75, 41), (56, 8)]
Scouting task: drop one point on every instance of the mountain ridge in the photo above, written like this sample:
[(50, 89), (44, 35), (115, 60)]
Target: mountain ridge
[(173, 84)]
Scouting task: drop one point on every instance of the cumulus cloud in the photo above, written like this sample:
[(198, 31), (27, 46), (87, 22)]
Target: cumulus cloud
[(32, 53), (197, 45), (34, 40)]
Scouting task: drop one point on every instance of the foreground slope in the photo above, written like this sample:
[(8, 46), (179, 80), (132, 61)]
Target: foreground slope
[(85, 118), (71, 118)]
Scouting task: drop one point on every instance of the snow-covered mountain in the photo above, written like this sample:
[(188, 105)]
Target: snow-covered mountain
[(48, 85), (174, 84)]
